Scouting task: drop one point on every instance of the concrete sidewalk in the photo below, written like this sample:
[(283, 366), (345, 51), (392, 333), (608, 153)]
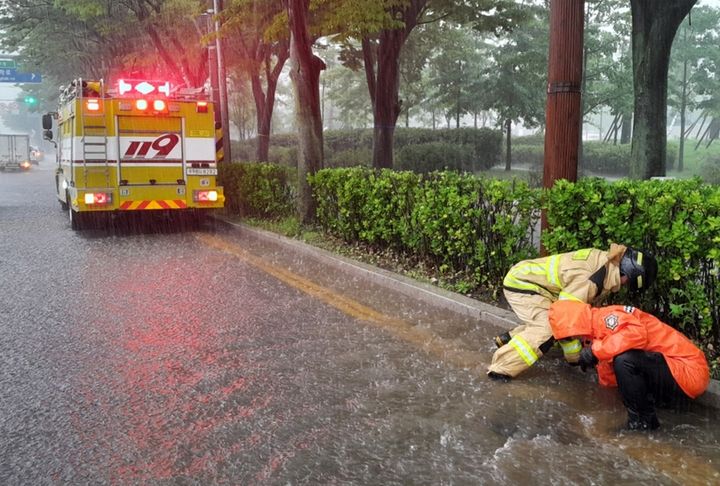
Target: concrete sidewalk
[(418, 290)]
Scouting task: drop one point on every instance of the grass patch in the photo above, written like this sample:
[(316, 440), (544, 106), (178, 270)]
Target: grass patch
[(696, 158)]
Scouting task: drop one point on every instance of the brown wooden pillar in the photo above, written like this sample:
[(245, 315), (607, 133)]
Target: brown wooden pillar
[(563, 115)]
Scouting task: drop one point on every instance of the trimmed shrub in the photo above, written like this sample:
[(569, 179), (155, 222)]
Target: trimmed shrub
[(710, 170), (484, 143), (679, 221), (349, 158), (258, 189), (460, 222), (531, 155), (429, 157)]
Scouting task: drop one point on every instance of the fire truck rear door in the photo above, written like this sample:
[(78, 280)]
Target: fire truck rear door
[(151, 150)]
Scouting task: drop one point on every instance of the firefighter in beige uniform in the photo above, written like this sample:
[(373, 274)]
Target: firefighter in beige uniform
[(530, 286)]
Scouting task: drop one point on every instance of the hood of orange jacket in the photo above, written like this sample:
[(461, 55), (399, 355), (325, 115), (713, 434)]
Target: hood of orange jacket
[(570, 318)]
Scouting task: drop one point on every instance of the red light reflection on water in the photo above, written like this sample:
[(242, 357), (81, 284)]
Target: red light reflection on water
[(177, 399)]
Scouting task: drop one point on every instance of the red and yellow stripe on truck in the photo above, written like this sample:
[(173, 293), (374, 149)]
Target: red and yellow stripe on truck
[(137, 154)]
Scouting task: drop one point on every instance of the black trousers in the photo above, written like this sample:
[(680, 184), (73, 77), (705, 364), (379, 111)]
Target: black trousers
[(645, 382)]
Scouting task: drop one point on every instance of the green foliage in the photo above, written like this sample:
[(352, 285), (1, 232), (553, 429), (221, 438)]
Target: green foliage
[(598, 157), (710, 170), (531, 155), (461, 223), (429, 157), (679, 221), (349, 158), (605, 158), (258, 189), (480, 150)]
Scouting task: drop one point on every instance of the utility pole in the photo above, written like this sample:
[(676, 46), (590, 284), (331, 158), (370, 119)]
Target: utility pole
[(218, 78), (563, 110)]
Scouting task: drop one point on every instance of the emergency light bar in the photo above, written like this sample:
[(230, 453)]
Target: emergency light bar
[(135, 87)]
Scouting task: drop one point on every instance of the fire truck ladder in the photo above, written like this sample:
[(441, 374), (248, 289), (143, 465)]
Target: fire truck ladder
[(94, 135)]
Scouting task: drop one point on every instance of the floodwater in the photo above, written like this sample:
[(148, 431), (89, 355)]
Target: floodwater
[(157, 356)]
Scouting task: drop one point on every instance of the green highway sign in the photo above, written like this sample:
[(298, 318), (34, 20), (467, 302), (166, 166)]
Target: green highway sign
[(8, 63)]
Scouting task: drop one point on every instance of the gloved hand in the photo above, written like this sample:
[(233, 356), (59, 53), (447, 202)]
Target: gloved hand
[(587, 359)]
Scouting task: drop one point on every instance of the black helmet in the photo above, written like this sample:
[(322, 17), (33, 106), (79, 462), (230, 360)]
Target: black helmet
[(640, 268)]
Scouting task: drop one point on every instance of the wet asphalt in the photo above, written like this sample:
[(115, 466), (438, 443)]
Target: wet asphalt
[(155, 353)]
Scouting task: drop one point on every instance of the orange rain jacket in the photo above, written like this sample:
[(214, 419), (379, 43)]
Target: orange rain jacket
[(616, 329)]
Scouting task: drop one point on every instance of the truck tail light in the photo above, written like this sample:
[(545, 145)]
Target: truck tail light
[(99, 198), (202, 106), (205, 196), (93, 104)]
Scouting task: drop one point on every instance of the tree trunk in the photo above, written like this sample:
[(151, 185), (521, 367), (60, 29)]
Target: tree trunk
[(654, 27), (387, 102), (305, 75), (508, 145), (265, 101), (384, 82)]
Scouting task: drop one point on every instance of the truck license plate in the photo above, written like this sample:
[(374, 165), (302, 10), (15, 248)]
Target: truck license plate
[(200, 171)]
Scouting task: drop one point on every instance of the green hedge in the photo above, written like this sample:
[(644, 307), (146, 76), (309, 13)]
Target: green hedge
[(258, 190), (679, 221), (344, 146), (428, 157), (458, 221), (598, 157), (710, 170)]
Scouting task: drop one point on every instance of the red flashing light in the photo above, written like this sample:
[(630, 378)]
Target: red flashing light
[(202, 106), (93, 104), (141, 104), (164, 88), (124, 87), (138, 87), (159, 105)]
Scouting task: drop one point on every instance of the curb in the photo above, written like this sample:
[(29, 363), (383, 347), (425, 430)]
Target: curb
[(423, 291)]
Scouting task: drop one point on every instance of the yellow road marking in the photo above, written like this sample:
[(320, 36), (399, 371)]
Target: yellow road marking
[(423, 338)]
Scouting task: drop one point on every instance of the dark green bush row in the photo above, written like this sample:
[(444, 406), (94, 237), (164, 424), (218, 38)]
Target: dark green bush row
[(597, 157), (258, 190), (458, 221), (679, 221), (480, 148), (710, 170), (429, 157)]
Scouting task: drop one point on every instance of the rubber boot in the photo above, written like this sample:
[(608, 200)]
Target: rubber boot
[(502, 339), (498, 377), (637, 421)]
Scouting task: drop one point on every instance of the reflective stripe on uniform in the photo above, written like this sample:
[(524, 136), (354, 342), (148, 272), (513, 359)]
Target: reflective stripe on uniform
[(567, 296), (524, 350), (570, 346), (513, 279), (552, 270), (512, 282)]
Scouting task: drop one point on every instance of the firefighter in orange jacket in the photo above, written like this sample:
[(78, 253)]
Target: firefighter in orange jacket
[(649, 361), (530, 287)]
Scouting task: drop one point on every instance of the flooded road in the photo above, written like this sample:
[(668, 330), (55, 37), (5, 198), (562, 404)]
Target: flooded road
[(156, 356)]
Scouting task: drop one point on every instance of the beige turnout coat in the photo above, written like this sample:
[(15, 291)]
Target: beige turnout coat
[(586, 275)]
